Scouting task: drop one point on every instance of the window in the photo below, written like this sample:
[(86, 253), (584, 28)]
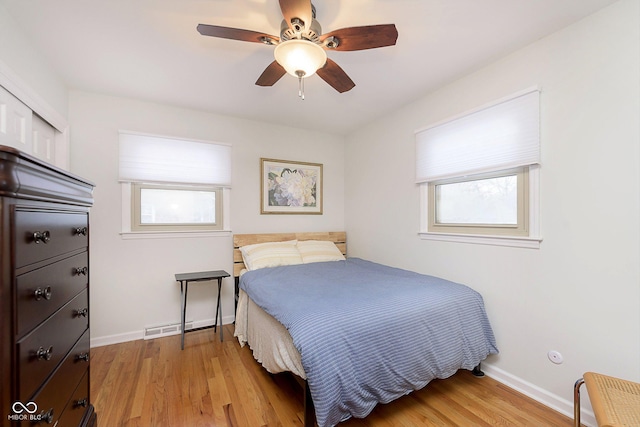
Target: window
[(172, 208), (479, 173), (493, 204), (173, 185)]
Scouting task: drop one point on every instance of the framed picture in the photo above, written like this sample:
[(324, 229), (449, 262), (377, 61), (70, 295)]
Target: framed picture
[(290, 187)]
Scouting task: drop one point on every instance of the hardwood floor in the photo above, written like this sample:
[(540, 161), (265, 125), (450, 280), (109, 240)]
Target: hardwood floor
[(212, 383)]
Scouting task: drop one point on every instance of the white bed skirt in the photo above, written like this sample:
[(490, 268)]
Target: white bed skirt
[(270, 342)]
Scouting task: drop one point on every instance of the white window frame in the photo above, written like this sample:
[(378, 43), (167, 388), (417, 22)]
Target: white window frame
[(532, 240), (128, 232), (136, 211), (453, 150), (131, 230), (520, 228)]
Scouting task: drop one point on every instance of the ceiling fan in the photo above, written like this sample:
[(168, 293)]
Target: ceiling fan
[(300, 49)]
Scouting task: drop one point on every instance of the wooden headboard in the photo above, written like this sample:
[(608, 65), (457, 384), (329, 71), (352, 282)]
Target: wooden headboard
[(337, 237)]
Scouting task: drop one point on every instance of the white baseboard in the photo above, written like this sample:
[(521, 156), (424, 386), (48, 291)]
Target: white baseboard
[(115, 339), (540, 395), (138, 335)]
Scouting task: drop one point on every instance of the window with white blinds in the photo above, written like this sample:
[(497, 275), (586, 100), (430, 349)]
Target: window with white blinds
[(478, 172), (171, 184), (501, 136), (147, 158)]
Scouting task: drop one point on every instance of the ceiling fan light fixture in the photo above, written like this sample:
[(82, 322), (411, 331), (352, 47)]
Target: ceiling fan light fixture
[(300, 49), (300, 58)]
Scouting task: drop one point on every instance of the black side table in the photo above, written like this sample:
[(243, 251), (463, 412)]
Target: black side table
[(184, 279)]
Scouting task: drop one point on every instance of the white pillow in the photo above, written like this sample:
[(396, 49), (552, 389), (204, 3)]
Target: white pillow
[(319, 251), (272, 254)]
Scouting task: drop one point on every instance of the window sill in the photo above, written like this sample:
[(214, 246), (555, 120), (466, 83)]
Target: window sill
[(132, 235), (511, 241)]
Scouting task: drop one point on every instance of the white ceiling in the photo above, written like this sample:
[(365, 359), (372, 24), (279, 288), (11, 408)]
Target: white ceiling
[(150, 50)]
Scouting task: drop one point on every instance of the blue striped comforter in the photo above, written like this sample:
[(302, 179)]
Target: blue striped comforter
[(369, 333)]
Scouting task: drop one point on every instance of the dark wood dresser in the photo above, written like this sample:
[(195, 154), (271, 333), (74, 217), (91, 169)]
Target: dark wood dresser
[(44, 294)]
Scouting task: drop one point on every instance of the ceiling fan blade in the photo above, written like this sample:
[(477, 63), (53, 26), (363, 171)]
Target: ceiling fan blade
[(335, 76), (236, 34), (360, 38), (300, 9), (271, 74)]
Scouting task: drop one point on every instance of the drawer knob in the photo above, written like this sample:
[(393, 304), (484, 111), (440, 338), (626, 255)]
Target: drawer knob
[(83, 312), (41, 237), (43, 354), (46, 417), (83, 356), (81, 231), (45, 293), (80, 271), (82, 402)]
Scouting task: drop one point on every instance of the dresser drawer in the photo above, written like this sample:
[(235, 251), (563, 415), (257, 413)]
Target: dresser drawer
[(65, 391), (41, 350), (77, 406), (76, 363), (41, 292), (43, 234)]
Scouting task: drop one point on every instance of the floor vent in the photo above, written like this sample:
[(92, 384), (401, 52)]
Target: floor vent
[(165, 330)]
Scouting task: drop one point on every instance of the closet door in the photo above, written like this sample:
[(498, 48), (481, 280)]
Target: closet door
[(23, 129), (15, 122), (43, 141)]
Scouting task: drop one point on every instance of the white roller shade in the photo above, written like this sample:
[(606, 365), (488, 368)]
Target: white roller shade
[(501, 136), (145, 158)]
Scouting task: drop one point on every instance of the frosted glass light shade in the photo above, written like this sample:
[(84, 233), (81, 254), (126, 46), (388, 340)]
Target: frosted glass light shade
[(300, 55)]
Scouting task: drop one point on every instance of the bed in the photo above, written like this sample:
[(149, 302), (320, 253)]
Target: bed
[(356, 333)]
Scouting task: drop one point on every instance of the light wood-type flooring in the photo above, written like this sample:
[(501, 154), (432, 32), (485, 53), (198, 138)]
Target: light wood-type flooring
[(211, 383)]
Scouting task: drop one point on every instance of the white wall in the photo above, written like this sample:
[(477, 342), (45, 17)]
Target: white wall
[(132, 281), (18, 58), (580, 292)]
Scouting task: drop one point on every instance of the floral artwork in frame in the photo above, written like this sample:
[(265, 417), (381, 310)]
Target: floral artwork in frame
[(290, 187)]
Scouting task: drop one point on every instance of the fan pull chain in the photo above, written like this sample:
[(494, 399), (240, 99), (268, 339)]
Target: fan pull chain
[(300, 74)]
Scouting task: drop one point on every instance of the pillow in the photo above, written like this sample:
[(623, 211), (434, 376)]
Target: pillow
[(270, 254), (319, 251)]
